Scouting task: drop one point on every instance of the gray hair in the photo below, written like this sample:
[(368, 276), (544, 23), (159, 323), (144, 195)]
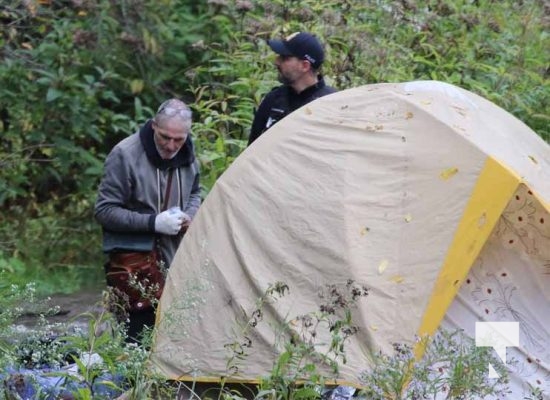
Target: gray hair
[(173, 107)]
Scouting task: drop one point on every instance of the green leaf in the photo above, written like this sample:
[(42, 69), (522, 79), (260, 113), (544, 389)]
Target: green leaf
[(53, 94), (306, 393)]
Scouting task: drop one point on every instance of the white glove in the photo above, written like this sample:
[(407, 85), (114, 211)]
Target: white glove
[(169, 222)]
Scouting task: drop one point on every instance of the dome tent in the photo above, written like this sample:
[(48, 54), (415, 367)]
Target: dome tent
[(434, 198)]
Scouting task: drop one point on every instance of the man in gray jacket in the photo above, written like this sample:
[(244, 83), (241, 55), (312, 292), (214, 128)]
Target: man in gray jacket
[(150, 187)]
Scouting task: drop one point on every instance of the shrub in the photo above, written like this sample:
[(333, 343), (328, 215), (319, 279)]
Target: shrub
[(80, 76)]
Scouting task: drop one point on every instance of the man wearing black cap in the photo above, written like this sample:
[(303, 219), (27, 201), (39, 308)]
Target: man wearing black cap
[(299, 58)]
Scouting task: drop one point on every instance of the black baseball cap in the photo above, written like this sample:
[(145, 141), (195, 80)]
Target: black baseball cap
[(302, 45)]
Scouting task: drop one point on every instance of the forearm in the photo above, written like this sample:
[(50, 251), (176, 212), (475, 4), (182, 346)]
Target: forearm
[(116, 218)]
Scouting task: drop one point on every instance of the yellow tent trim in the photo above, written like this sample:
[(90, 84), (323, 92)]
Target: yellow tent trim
[(494, 188), (229, 379)]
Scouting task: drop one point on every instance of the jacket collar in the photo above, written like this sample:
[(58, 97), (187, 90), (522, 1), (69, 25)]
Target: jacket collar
[(184, 157), (310, 89)]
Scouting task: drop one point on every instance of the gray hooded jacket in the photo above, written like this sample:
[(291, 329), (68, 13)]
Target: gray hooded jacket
[(133, 187)]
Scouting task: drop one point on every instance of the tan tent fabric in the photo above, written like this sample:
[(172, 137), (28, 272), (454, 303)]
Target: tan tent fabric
[(400, 187)]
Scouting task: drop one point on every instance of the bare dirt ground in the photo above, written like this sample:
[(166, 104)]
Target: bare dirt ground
[(72, 308)]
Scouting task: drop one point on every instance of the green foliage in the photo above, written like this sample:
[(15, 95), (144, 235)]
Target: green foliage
[(238, 350), (74, 82), (306, 363), (11, 299), (84, 360), (452, 366), (305, 360), (494, 49), (78, 76)]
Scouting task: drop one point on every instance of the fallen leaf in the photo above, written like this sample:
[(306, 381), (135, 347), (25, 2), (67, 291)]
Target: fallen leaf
[(409, 115), (397, 279), (382, 267), (449, 173), (533, 159), (408, 218)]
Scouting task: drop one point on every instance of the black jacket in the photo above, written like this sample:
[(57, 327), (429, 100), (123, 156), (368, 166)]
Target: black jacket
[(280, 102)]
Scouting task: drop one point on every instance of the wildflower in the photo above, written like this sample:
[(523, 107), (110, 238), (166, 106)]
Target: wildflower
[(243, 6)]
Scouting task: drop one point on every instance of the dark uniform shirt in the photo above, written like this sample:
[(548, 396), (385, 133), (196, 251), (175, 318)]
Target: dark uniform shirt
[(280, 102)]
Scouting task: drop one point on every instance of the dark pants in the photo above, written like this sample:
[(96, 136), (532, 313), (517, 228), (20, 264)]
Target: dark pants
[(139, 320)]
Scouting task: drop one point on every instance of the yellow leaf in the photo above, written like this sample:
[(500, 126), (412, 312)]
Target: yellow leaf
[(449, 173), (408, 218), (397, 279), (26, 45), (374, 327), (82, 13), (365, 230), (533, 159), (47, 151), (26, 126), (382, 267), (408, 115), (136, 86)]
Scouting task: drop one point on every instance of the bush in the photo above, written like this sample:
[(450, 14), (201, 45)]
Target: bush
[(79, 76)]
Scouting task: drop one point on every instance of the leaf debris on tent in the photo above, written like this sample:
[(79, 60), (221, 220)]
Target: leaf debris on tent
[(382, 267), (448, 173)]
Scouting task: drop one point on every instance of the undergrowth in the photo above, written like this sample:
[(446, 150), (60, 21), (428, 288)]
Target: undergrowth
[(97, 363)]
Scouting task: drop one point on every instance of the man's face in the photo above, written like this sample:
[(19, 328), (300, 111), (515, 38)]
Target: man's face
[(170, 135), (291, 69)]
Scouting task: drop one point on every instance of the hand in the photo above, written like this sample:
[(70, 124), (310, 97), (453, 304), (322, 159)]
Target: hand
[(186, 221), (169, 222)]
